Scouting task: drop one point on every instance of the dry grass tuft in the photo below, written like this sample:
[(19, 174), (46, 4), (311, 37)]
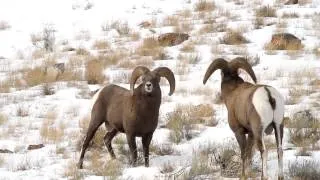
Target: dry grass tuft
[(190, 58), (3, 119), (110, 169), (82, 51), (266, 11), (204, 5), (101, 44), (94, 72), (308, 169), (151, 47), (183, 119), (201, 166), (188, 47), (72, 172), (172, 20), (50, 131), (290, 15), (234, 37)]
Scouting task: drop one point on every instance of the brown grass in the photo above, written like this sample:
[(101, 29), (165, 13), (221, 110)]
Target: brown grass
[(72, 172), (188, 47), (290, 15), (34, 76), (204, 5), (172, 20), (101, 44), (50, 131), (151, 47), (266, 11), (3, 119), (182, 120), (190, 58), (112, 169), (234, 37), (94, 72)]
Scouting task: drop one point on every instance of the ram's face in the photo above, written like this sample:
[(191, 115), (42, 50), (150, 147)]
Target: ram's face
[(149, 83)]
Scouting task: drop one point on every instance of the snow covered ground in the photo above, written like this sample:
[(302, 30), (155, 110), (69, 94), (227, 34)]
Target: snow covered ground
[(27, 115)]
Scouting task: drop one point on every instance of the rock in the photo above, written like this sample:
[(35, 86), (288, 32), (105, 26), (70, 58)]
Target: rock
[(35, 146), (5, 151), (282, 41), (291, 2), (172, 39)]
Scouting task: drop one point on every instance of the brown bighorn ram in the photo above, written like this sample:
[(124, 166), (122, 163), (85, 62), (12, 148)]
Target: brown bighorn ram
[(133, 112), (252, 110)]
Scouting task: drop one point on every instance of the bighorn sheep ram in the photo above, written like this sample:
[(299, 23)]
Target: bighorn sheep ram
[(133, 112), (252, 109)]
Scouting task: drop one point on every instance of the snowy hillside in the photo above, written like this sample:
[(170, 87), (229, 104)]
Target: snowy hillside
[(100, 42)]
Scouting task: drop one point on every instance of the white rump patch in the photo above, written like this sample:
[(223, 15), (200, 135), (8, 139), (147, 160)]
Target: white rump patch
[(263, 107)]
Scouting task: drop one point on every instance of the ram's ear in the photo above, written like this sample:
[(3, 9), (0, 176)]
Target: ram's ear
[(168, 74), (136, 73)]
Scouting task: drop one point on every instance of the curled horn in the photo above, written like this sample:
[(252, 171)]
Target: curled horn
[(168, 74), (136, 73), (240, 62), (216, 64)]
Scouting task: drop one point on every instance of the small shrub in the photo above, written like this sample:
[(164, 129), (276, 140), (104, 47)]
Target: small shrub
[(151, 47), (191, 58), (182, 119), (228, 159), (47, 89), (162, 149), (258, 22), (72, 171), (101, 44), (266, 11), (3, 119), (290, 15), (50, 131), (82, 51), (234, 37), (200, 167), (302, 137), (94, 72), (34, 76), (166, 168), (204, 5), (121, 77), (187, 47), (172, 20), (22, 111), (308, 169)]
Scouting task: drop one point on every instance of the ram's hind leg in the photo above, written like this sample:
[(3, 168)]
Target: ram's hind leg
[(107, 141), (263, 152), (279, 135), (241, 138), (96, 120)]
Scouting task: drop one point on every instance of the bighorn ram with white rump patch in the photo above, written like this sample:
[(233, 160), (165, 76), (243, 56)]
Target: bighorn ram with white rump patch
[(133, 112), (252, 109)]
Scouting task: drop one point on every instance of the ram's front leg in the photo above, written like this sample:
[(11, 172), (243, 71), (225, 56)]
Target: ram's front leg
[(146, 139), (133, 148)]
